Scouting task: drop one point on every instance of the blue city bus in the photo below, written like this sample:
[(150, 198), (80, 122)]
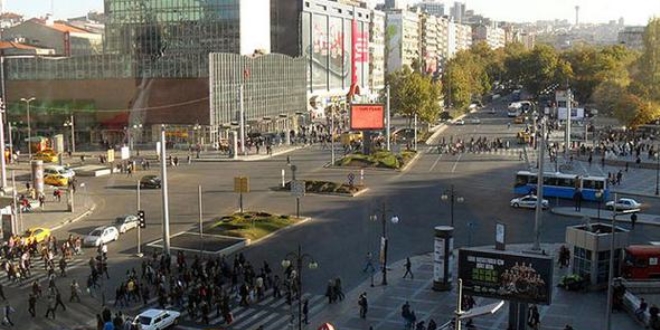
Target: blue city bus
[(561, 185)]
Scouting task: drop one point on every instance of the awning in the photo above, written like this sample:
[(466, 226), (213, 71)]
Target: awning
[(118, 121)]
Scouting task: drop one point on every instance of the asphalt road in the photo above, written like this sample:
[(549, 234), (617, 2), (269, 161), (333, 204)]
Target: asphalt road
[(340, 233)]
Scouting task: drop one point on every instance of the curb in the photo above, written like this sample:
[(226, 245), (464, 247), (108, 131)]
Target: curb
[(75, 219), (619, 219), (246, 158)]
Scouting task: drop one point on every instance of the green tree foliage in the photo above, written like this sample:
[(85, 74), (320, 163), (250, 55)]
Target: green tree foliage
[(649, 62), (412, 93)]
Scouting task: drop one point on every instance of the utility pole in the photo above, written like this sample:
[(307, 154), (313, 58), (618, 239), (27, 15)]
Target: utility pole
[(387, 117), (241, 121), (539, 186), (166, 208)]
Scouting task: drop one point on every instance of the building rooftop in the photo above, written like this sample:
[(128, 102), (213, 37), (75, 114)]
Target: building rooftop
[(59, 26), (16, 45)]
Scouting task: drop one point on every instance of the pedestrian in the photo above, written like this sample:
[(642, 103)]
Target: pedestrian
[(2, 293), (305, 311), (368, 265), (51, 306), (364, 305), (408, 265), (339, 292), (32, 303), (468, 304), (533, 317), (75, 288), (432, 325), (639, 312), (58, 301), (633, 219), (330, 291), (6, 318)]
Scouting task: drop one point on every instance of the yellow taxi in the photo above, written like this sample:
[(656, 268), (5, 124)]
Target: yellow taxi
[(47, 156), (39, 234), (56, 180), (347, 138)]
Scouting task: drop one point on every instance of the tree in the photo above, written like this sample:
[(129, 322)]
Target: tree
[(412, 93), (649, 62)]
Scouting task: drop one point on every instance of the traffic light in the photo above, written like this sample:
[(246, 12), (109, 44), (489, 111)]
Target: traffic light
[(143, 223)]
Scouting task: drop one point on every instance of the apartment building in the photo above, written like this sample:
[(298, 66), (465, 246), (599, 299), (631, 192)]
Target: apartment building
[(403, 39), (377, 50)]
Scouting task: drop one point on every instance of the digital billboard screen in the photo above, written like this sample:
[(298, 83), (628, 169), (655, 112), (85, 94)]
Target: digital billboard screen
[(367, 117), (506, 275)]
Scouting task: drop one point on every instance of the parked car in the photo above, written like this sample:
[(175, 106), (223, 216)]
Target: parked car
[(39, 234), (61, 170), (624, 204), (101, 235), (57, 180), (459, 122), (157, 319), (528, 202), (47, 156), (474, 120), (126, 222), (150, 181)]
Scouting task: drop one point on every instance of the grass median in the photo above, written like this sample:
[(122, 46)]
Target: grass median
[(251, 225)]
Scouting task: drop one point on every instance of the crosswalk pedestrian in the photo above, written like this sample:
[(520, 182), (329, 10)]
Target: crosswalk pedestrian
[(37, 274)]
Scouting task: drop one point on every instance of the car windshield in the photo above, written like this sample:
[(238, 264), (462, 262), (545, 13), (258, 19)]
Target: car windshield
[(96, 232), (145, 320), (121, 219)]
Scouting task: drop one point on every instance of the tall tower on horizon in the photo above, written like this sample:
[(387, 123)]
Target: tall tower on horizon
[(577, 15)]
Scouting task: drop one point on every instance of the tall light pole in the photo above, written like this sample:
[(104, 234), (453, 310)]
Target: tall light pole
[(384, 239), (599, 199), (451, 196), (657, 170), (70, 123), (27, 103), (299, 257)]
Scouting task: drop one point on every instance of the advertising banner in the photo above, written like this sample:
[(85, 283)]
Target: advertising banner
[(367, 117), (442, 271), (506, 275)]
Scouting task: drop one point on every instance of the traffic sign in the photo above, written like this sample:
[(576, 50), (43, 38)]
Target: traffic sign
[(298, 188), (241, 184)]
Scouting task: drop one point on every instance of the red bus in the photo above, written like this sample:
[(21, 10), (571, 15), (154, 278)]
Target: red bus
[(641, 262)]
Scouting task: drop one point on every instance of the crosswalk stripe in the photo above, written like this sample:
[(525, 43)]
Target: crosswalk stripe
[(38, 274), (250, 319)]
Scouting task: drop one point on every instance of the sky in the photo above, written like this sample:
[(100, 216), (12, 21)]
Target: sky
[(634, 12)]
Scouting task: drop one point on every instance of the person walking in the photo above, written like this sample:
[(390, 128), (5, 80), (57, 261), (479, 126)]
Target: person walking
[(58, 301), (368, 265), (2, 293), (6, 318), (364, 305), (408, 265), (305, 311), (75, 288), (51, 306), (32, 303), (533, 317), (633, 219)]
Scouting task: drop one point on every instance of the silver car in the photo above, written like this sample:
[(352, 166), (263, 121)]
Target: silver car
[(126, 222), (528, 202), (101, 235)]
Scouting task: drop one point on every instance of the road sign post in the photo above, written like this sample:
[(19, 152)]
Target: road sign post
[(298, 191), (241, 185)]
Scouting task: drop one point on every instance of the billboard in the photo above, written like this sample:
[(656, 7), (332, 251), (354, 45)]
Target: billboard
[(506, 275), (367, 117)]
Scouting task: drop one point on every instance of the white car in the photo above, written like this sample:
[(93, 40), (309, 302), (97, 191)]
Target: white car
[(459, 122), (157, 319), (101, 235), (61, 170), (474, 121), (624, 204), (126, 222), (528, 202)]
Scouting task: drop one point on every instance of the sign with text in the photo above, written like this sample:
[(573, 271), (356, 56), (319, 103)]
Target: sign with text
[(241, 184), (506, 275), (367, 117)]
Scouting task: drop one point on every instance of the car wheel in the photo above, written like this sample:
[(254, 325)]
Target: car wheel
[(176, 321), (610, 207), (515, 205)]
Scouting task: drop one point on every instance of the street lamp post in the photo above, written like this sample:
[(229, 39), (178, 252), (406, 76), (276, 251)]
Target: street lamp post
[(657, 171), (72, 141), (384, 239), (599, 199), (27, 103), (451, 196), (298, 257)]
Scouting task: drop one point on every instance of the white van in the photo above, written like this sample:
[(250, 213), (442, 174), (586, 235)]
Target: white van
[(61, 170)]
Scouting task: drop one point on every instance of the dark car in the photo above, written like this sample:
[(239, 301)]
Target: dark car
[(150, 181)]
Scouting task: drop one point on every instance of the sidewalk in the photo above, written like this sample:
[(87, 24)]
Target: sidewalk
[(642, 218), (249, 156), (55, 215), (581, 310)]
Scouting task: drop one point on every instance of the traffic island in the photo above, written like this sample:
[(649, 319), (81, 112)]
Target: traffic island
[(228, 234), (380, 159), (327, 188)]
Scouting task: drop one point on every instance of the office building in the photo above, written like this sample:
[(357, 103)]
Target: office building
[(403, 31)]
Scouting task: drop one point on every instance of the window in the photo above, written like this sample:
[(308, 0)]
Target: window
[(653, 261)]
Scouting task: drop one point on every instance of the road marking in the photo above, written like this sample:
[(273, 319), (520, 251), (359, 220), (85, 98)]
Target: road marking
[(458, 160), (435, 163)]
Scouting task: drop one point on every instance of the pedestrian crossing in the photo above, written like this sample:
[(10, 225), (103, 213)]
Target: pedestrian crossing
[(271, 313), (516, 152), (39, 273)]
